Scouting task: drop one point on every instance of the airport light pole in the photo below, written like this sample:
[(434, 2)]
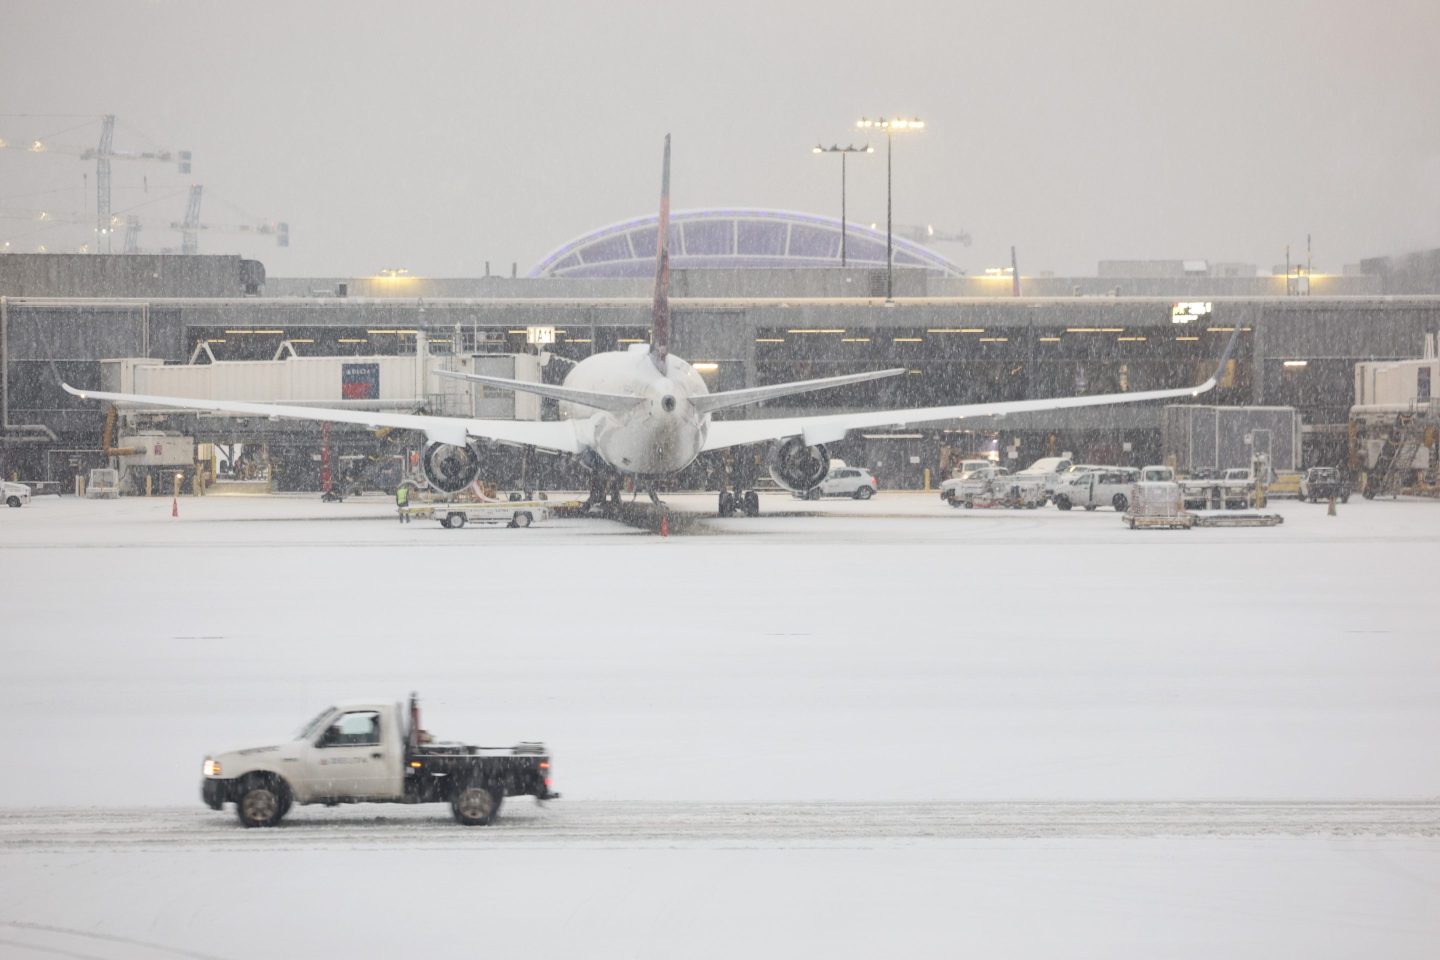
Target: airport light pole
[(889, 125), (843, 151)]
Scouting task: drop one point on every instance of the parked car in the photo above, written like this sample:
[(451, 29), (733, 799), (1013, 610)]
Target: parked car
[(856, 482), (1322, 483), (1108, 486), (15, 494)]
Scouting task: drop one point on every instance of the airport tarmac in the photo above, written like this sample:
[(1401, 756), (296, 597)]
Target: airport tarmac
[(930, 726)]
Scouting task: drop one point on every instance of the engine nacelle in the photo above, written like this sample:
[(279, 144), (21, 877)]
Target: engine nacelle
[(798, 467), (448, 468)]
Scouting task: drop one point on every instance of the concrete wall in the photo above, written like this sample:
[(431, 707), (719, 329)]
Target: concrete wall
[(132, 275)]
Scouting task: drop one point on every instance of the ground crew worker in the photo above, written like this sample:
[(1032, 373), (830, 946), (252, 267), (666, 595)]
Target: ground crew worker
[(402, 501)]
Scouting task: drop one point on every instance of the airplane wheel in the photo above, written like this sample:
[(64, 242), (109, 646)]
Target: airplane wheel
[(727, 503), (752, 503)]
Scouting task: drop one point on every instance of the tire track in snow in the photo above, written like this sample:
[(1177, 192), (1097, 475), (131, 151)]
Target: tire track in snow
[(576, 823)]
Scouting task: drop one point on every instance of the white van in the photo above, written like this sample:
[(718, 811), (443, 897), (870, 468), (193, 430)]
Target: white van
[(1105, 486)]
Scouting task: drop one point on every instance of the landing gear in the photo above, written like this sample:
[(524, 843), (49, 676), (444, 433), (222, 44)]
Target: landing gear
[(727, 503), (747, 503)]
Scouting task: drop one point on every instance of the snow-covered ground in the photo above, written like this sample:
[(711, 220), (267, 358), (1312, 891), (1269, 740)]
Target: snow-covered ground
[(1214, 730)]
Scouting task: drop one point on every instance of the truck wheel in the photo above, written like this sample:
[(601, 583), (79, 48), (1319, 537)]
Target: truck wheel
[(475, 806), (1063, 503), (864, 493), (445, 521), (521, 520), (262, 802), (457, 520), (13, 502), (1120, 503)]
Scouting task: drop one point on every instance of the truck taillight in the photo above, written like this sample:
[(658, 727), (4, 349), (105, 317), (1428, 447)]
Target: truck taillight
[(544, 764), (547, 781)]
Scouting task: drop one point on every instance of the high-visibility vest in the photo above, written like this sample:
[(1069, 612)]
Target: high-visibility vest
[(402, 496)]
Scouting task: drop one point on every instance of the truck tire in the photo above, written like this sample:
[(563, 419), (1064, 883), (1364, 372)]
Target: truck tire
[(521, 520), (457, 520), (13, 502), (262, 802), (475, 805), (1120, 503), (1063, 503)]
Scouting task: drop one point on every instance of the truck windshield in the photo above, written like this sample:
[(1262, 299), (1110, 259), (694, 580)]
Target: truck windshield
[(313, 727)]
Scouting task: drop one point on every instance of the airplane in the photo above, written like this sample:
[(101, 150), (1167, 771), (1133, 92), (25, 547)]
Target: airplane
[(646, 413)]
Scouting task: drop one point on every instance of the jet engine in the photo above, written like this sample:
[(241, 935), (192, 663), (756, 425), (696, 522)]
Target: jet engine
[(797, 467), (449, 468)]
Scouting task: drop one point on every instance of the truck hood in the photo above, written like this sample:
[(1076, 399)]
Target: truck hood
[(233, 763)]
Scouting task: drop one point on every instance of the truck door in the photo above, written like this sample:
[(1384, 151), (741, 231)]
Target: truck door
[(351, 758)]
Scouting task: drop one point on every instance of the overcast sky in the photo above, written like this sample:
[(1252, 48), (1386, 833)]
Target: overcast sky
[(437, 136)]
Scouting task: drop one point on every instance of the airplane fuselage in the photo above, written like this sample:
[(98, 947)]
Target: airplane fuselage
[(662, 434)]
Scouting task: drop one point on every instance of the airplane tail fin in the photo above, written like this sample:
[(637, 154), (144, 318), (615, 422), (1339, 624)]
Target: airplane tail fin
[(660, 315)]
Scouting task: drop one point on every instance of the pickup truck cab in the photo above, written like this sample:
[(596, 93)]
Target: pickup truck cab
[(373, 753), (14, 494), (1105, 486)]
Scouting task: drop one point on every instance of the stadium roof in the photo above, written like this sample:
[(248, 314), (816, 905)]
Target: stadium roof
[(732, 239)]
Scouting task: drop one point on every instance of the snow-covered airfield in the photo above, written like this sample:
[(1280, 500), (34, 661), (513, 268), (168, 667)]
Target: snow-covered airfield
[(881, 729)]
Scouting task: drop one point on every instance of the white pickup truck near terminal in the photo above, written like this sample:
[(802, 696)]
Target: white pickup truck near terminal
[(373, 753)]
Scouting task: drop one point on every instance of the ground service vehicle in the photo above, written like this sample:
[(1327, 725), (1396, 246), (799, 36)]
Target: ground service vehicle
[(1156, 503), (14, 494), (455, 515), (842, 481), (1232, 490), (1047, 470), (975, 482), (373, 753), (1108, 486), (1322, 483)]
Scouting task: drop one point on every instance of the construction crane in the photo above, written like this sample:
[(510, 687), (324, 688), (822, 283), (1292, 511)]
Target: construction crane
[(928, 234), (103, 153), (191, 226)]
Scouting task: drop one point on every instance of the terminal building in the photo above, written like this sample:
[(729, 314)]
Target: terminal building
[(758, 297)]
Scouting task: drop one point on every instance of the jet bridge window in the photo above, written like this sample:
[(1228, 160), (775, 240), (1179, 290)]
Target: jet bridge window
[(358, 729)]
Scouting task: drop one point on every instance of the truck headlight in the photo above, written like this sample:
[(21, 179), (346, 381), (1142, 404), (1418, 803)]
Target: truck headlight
[(212, 768)]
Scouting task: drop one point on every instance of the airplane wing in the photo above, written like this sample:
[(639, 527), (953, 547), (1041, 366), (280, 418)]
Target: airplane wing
[(710, 402), (556, 435), (832, 427), (614, 402)]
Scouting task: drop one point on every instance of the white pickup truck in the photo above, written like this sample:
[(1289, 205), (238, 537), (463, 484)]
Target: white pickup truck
[(373, 753)]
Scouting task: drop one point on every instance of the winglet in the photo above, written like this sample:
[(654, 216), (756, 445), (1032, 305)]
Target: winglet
[(660, 315), (1220, 367)]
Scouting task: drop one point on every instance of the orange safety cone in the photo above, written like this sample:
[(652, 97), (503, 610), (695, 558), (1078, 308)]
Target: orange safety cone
[(175, 507), (665, 524), (1332, 507)]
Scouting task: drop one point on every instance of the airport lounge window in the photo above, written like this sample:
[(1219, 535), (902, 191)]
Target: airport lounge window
[(358, 729)]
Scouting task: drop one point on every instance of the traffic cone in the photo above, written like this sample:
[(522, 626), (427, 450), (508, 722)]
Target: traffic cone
[(665, 524), (1331, 511), (175, 506)]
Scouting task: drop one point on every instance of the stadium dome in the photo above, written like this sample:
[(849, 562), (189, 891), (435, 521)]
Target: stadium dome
[(729, 240)]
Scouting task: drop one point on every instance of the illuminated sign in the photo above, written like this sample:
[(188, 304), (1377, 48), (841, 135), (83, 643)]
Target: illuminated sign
[(539, 336), (1185, 312)]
